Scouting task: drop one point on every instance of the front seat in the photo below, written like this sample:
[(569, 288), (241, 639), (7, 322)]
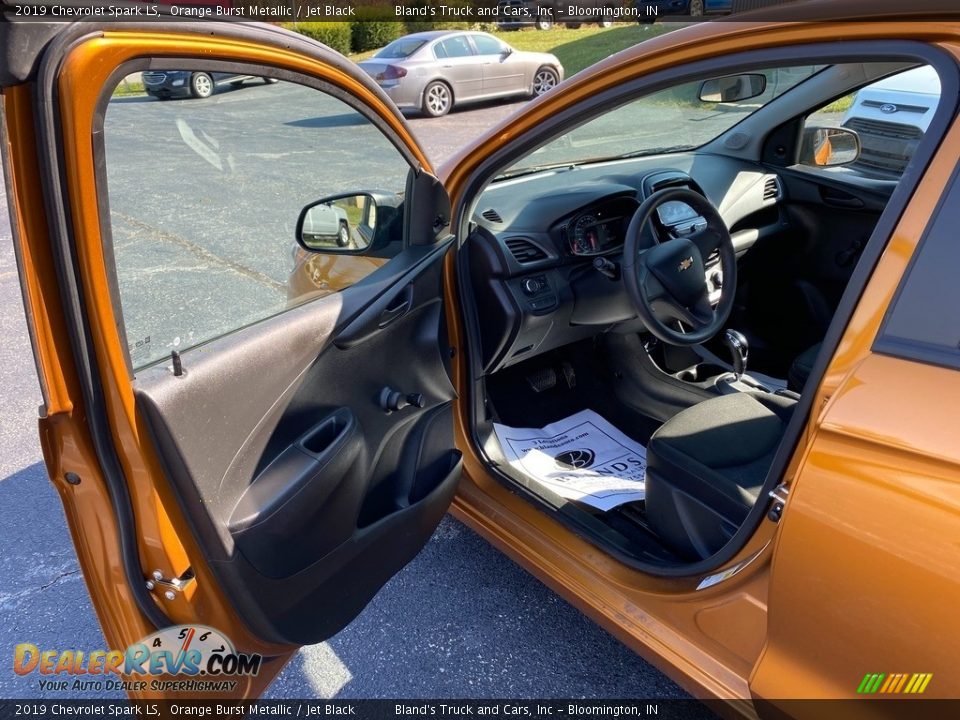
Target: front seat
[(706, 466), (802, 367)]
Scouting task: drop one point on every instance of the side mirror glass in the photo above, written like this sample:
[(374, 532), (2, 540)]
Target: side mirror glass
[(732, 88), (342, 223), (829, 146)]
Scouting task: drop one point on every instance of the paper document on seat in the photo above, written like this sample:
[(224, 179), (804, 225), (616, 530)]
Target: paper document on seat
[(582, 458)]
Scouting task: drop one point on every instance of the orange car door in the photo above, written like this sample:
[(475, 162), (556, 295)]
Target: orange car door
[(269, 461), (862, 598)]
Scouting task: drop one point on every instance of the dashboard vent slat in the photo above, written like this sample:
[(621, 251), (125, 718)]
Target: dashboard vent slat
[(492, 215), (771, 188), (524, 251)]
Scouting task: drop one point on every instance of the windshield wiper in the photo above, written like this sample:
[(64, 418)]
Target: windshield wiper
[(572, 164)]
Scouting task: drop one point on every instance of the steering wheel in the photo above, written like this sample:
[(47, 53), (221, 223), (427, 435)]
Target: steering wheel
[(667, 282)]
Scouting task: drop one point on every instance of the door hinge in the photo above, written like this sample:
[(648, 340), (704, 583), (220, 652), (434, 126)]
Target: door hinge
[(779, 496), (170, 588)]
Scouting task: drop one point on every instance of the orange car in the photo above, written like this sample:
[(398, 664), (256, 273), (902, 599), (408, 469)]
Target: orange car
[(698, 378)]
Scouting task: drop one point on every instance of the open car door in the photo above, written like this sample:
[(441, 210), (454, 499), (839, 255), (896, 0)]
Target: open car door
[(239, 442)]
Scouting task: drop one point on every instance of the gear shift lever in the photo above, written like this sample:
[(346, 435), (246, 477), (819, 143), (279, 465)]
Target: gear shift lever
[(739, 349)]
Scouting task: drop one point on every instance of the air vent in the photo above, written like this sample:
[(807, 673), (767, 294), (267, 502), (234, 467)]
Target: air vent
[(524, 251), (492, 215), (771, 188)]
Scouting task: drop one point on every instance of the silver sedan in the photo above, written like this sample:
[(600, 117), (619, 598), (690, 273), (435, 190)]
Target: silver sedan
[(433, 71)]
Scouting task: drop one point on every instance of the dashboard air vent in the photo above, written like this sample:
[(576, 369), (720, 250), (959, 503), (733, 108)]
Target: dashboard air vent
[(492, 215), (771, 188), (524, 251)]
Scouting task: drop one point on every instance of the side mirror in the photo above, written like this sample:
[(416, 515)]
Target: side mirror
[(506, 52), (732, 88), (338, 224), (829, 146)]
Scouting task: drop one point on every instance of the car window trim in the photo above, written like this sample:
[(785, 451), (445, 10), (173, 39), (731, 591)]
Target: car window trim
[(886, 342)]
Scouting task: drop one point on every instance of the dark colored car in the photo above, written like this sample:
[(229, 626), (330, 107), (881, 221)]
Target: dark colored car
[(650, 10), (166, 84), (515, 14)]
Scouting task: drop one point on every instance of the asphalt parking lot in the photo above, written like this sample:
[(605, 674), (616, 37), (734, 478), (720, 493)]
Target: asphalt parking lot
[(460, 621)]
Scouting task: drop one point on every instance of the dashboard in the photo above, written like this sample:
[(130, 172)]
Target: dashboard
[(545, 248)]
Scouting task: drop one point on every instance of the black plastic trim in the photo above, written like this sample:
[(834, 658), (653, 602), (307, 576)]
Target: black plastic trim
[(929, 353)]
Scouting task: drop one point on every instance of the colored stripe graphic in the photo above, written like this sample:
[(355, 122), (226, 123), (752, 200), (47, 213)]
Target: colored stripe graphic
[(894, 683)]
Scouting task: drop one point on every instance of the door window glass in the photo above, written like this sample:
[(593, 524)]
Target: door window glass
[(456, 46), (890, 117), (487, 45), (206, 176)]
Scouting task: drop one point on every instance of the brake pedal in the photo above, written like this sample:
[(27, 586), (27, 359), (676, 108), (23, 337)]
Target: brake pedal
[(542, 380)]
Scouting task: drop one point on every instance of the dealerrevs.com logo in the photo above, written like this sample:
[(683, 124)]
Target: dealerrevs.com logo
[(190, 658)]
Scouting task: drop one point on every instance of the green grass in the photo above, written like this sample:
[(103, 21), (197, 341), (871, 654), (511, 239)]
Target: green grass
[(575, 48), (839, 106), (580, 48), (128, 88)]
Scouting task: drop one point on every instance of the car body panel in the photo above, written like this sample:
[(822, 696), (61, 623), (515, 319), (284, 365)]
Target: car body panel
[(474, 77), (714, 641), (863, 541), (176, 83)]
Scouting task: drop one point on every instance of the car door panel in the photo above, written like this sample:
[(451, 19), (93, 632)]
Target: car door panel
[(503, 75), (466, 75), (271, 551), (298, 477)]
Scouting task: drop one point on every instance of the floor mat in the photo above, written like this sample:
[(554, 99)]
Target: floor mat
[(582, 458)]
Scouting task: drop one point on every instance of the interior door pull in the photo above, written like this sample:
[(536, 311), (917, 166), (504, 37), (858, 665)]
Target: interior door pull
[(839, 198), (397, 309)]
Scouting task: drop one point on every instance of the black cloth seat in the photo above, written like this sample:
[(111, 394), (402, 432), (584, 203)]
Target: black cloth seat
[(802, 367), (706, 466)]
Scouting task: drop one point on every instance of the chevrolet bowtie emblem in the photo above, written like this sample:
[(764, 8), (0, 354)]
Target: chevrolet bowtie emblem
[(685, 264)]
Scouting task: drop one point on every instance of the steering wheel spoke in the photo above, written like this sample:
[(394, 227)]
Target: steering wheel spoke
[(651, 287), (697, 316), (706, 240)]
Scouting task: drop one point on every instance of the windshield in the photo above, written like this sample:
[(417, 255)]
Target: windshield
[(669, 120), (402, 48)]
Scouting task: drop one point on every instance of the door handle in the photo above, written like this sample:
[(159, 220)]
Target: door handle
[(839, 198), (397, 309)]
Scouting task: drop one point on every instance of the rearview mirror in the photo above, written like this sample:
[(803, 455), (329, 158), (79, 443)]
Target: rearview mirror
[(341, 223), (829, 146), (732, 88)]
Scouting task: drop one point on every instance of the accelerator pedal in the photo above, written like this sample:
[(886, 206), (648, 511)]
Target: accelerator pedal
[(541, 380)]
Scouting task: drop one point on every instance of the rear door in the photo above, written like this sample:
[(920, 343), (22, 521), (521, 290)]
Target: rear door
[(460, 67), (502, 72), (245, 434)]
